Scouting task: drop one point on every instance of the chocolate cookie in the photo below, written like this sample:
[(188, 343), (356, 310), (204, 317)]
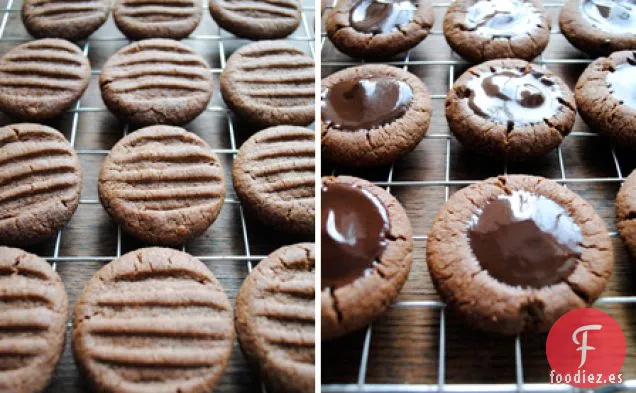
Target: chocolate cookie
[(480, 30), (510, 109), (626, 212), (69, 19), (141, 19), (273, 174), (40, 183), (163, 184), (513, 254), (372, 29), (606, 100), (257, 20), (41, 79), (154, 320), (599, 27), (156, 81), (270, 83), (372, 115), (33, 321), (367, 250), (275, 319)]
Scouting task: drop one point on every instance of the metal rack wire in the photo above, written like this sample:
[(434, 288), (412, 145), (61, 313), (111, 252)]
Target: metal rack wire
[(442, 386), (303, 34)]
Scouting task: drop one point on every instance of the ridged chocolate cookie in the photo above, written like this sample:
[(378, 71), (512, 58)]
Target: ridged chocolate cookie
[(154, 320), (163, 184), (510, 109), (156, 81), (599, 27), (626, 212), (32, 322), (367, 252), (40, 183), (512, 254), (69, 19), (257, 20), (270, 83), (41, 79), (141, 19), (371, 29), (274, 175), (372, 115), (605, 97), (480, 30), (275, 319)]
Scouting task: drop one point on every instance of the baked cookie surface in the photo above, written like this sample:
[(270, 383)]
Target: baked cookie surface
[(372, 29), (367, 250), (513, 254), (599, 27), (605, 97), (155, 318), (480, 30), (33, 321), (273, 174), (142, 19), (69, 19), (41, 79), (626, 212), (40, 183), (262, 20), (372, 115), (156, 81), (510, 109), (270, 83), (163, 184), (275, 319)]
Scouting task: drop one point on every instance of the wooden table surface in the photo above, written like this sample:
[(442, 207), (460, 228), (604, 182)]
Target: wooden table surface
[(404, 346), (90, 239)]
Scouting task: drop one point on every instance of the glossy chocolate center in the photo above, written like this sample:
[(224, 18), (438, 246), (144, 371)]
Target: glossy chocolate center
[(365, 103), (622, 83), (354, 228), (502, 18), (526, 240), (381, 16), (514, 96), (614, 16)]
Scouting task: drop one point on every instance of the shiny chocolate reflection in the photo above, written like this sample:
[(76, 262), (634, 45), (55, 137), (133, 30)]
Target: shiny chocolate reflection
[(365, 103), (355, 224), (514, 96), (502, 18), (381, 16), (526, 240), (613, 16), (622, 81)]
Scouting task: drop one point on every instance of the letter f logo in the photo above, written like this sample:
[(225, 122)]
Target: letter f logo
[(584, 347)]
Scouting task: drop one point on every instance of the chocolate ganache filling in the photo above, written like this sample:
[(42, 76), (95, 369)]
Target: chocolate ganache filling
[(355, 224), (365, 103), (526, 240), (622, 82), (502, 18), (513, 96), (381, 16), (613, 16)]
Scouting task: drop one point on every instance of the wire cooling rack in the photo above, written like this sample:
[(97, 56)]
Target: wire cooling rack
[(92, 239), (435, 56)]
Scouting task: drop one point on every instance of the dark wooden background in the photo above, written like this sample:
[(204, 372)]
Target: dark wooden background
[(405, 341), (90, 239)]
